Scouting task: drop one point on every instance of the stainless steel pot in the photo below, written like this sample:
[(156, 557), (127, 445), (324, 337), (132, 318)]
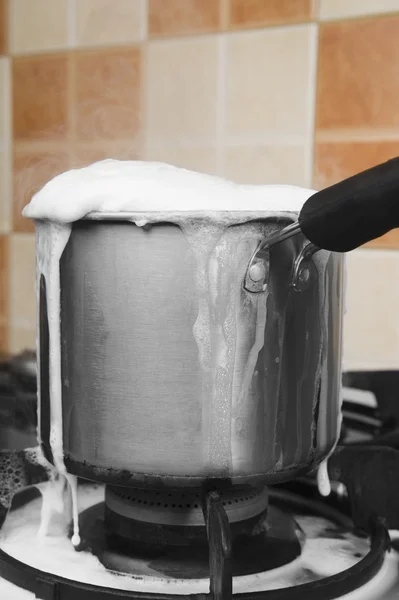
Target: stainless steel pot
[(168, 381), (138, 404)]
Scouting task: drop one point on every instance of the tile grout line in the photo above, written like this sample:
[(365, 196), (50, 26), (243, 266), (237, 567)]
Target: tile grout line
[(311, 101), (359, 134), (230, 32), (71, 80), (71, 16), (144, 20), (71, 88), (142, 140), (221, 104), (275, 139), (144, 99), (224, 15), (315, 10), (356, 17)]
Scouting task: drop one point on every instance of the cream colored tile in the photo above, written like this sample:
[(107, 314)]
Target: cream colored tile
[(266, 164), (202, 159), (5, 192), (338, 9), (5, 99), (106, 22), (371, 324), (22, 282), (38, 25), (270, 80), (21, 339), (181, 90)]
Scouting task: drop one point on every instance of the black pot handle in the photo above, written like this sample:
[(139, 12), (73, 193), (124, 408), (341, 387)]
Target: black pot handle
[(340, 218), (355, 211)]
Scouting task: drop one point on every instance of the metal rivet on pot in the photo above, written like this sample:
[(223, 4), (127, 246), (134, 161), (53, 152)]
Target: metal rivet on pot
[(304, 268), (304, 275), (257, 272)]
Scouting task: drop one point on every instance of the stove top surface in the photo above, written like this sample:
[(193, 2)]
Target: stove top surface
[(326, 547)]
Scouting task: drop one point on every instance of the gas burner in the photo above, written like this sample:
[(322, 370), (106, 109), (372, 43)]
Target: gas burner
[(182, 506), (167, 529)]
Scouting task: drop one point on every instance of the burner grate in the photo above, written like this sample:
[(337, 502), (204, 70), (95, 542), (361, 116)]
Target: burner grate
[(52, 587)]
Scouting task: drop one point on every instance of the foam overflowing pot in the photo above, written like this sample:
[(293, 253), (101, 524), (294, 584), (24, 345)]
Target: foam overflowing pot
[(161, 365)]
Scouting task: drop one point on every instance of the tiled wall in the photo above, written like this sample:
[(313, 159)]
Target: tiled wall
[(263, 91)]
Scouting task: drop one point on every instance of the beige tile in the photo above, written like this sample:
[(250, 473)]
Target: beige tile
[(267, 13), (106, 22), (357, 86), (5, 193), (270, 80), (22, 296), (183, 17), (38, 25), (5, 98), (40, 85), (21, 339), (202, 159), (31, 171), (4, 26), (266, 164), (338, 9), (181, 90), (335, 161), (371, 327), (108, 93)]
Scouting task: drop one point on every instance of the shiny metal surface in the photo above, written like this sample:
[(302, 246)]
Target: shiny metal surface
[(261, 256), (131, 372), (304, 268), (280, 236)]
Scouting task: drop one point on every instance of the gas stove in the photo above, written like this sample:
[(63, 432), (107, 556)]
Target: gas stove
[(280, 542)]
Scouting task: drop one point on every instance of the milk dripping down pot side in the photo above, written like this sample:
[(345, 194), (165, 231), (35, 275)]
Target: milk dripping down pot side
[(140, 404)]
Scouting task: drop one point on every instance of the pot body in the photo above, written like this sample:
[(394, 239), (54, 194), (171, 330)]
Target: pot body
[(153, 394)]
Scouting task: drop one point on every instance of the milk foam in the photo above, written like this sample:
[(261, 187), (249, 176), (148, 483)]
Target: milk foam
[(323, 480), (136, 186)]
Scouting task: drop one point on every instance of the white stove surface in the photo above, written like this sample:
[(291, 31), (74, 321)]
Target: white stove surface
[(385, 586), (326, 556)]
